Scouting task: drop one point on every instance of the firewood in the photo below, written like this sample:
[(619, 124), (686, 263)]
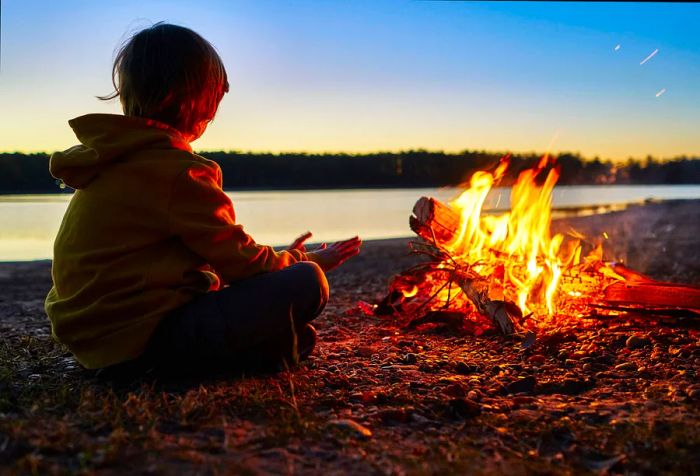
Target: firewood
[(502, 313), (641, 290), (653, 293), (433, 220), (666, 312), (630, 275)]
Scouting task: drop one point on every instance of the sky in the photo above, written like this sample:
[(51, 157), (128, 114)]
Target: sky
[(380, 75)]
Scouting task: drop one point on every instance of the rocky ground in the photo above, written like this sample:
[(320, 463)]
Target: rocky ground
[(618, 396)]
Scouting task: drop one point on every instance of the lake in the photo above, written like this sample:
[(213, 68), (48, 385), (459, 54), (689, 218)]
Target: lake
[(30, 222)]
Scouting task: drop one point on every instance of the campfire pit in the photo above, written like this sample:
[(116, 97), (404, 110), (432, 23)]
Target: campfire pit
[(509, 272)]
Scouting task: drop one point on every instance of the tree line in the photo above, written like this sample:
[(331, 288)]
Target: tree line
[(28, 173)]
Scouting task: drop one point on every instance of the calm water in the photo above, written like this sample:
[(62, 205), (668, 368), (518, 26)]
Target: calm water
[(29, 222)]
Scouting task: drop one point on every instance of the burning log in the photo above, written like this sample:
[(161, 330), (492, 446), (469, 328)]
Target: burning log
[(654, 294), (503, 314), (640, 290), (434, 221)]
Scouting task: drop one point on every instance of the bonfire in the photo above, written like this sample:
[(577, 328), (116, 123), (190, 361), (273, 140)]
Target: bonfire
[(510, 272)]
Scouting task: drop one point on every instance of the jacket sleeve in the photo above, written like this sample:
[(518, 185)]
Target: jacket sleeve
[(202, 215)]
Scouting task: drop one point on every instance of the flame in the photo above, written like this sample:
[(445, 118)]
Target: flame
[(484, 262), (519, 241), (410, 292)]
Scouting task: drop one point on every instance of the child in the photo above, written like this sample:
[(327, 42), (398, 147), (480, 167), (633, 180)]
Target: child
[(149, 263)]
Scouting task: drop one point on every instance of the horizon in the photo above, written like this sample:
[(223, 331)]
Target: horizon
[(526, 153), (613, 81)]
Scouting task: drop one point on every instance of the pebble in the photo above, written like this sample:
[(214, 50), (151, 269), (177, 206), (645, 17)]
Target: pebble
[(455, 389), (395, 415), (574, 386), (352, 427), (627, 366), (464, 368), (368, 397), (523, 400), (523, 385), (637, 342), (464, 408), (365, 351)]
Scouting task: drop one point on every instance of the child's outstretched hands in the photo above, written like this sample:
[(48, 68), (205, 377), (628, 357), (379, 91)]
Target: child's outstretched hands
[(328, 257), (332, 256), (298, 244)]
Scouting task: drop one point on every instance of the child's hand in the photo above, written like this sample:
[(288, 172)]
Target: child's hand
[(298, 244), (335, 254)]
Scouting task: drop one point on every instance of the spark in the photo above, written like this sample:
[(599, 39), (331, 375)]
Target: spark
[(617, 48), (552, 141), (605, 235), (653, 53), (663, 90)]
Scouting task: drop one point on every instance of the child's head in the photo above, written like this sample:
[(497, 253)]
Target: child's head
[(171, 74)]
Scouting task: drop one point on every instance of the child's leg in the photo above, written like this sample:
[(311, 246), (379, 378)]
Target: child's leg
[(253, 323)]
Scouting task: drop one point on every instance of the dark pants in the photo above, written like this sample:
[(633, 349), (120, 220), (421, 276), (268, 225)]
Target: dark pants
[(256, 324)]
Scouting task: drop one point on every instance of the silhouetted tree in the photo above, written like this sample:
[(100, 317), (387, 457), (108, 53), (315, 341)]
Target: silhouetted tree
[(28, 173)]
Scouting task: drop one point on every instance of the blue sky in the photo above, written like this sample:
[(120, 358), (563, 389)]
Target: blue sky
[(381, 75)]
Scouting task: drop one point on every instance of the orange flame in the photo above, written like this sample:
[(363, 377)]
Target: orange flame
[(518, 240)]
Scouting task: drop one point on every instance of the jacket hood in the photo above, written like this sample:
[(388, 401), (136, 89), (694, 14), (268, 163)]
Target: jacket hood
[(106, 138)]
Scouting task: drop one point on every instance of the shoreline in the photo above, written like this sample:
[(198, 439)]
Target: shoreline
[(364, 187), (559, 214)]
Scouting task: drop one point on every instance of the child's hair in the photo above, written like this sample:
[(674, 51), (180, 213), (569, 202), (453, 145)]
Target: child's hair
[(171, 74)]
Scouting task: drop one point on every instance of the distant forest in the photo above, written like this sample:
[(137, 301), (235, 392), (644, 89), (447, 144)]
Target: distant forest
[(28, 173)]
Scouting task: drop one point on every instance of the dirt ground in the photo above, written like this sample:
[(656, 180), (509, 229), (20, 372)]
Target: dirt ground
[(616, 396)]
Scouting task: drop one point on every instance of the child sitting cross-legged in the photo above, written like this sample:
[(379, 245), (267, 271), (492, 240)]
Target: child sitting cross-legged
[(150, 266)]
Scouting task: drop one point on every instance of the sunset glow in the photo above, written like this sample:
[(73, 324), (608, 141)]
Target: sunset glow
[(368, 76)]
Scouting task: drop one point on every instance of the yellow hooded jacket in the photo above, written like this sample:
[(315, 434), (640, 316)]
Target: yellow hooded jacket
[(147, 229)]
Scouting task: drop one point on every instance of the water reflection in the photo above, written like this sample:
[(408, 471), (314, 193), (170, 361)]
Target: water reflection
[(29, 222)]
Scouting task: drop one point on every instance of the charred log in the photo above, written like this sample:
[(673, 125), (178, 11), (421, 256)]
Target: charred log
[(503, 314)]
